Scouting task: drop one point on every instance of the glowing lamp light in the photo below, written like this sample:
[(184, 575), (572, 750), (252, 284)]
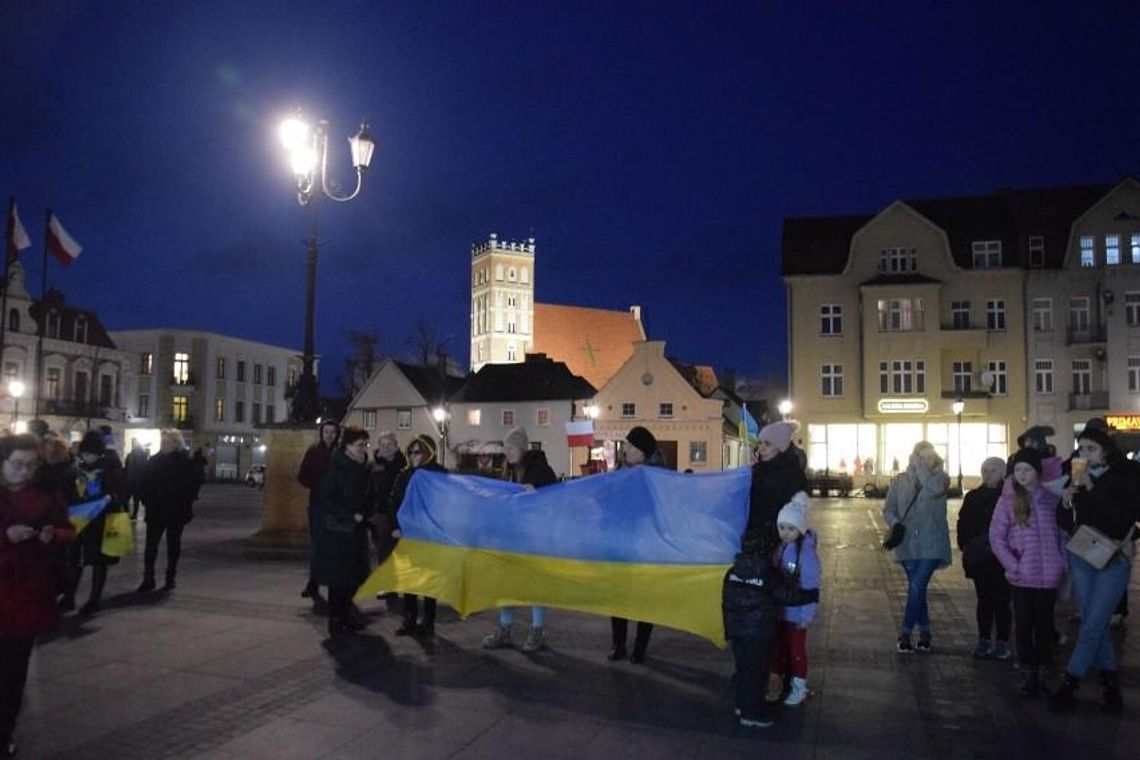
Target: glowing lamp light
[(592, 411), (785, 407), (439, 414), (20, 427), (16, 388), (303, 160), (294, 134)]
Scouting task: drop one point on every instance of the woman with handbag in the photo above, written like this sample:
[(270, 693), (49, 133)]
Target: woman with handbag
[(1102, 502), (916, 501)]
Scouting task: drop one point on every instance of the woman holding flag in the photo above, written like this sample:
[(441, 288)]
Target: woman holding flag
[(33, 525), (100, 474)]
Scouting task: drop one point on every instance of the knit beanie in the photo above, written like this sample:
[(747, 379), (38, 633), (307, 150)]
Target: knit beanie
[(1037, 434), (93, 443), (642, 439), (779, 434), (1098, 435), (1031, 457), (517, 438), (795, 512)]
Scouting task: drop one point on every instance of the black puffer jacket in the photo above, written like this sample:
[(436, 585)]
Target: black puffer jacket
[(342, 549), (753, 595), (1112, 506), (974, 530), (774, 483)]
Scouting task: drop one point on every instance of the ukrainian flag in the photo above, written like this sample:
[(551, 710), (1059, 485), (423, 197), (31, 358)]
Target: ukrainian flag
[(643, 543), (83, 513)]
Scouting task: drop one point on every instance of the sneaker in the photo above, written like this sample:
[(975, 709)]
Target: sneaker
[(999, 652), (146, 586), (499, 639), (905, 647), (798, 693), (535, 640), (760, 722), (984, 650), (1116, 621), (923, 644)]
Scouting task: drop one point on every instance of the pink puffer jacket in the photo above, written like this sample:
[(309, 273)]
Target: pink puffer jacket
[(1031, 554)]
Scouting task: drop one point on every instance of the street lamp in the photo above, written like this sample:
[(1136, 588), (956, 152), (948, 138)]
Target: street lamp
[(308, 149), (592, 411), (959, 406), (439, 414), (785, 408), (16, 390)]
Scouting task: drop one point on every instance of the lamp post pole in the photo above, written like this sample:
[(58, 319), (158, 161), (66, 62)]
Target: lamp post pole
[(959, 407), (16, 389), (439, 414)]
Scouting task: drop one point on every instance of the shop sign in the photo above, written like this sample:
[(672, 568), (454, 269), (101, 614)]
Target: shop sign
[(1123, 421), (903, 405)]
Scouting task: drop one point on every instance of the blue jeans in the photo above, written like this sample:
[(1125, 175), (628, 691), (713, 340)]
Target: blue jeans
[(537, 616), (918, 575), (1098, 592)]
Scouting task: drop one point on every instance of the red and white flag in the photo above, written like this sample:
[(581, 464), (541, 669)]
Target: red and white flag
[(580, 433), (62, 245), (15, 237)]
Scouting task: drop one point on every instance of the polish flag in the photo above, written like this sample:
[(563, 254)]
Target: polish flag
[(62, 245), (16, 237), (580, 433)]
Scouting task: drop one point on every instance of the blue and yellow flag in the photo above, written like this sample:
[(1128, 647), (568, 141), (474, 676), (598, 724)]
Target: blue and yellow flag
[(83, 513), (643, 543)]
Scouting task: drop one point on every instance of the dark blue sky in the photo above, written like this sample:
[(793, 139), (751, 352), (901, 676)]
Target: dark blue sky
[(651, 148)]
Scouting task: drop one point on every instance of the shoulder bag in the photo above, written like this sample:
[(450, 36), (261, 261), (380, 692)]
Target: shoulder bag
[(897, 532)]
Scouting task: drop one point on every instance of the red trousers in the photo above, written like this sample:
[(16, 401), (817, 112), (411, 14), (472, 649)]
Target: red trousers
[(789, 656)]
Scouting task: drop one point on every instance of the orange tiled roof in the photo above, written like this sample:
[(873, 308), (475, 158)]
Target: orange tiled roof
[(593, 343)]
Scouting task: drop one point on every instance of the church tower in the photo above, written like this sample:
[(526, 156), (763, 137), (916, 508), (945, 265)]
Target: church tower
[(502, 301)]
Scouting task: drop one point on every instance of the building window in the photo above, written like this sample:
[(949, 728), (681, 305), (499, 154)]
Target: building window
[(995, 314), (14, 320), (1000, 385), (1088, 251), (144, 405), (180, 409), (1079, 314), (257, 374), (963, 373), (1043, 314), (508, 418), (369, 419), (271, 376), (831, 319), (241, 371), (960, 314), (987, 254), (665, 410), (542, 417), (220, 368), (106, 390), (698, 452), (219, 409), (81, 387), (511, 326), (403, 419), (1132, 308), (524, 276), (1134, 374), (11, 370), (53, 382), (53, 324), (512, 302), (898, 260), (628, 410), (1112, 250), (902, 377), (1036, 250), (900, 314), (1082, 377), (146, 363), (831, 376), (80, 330), (475, 417), (499, 272), (511, 274), (181, 368), (1043, 375), (511, 355), (239, 411), (1135, 245), (270, 413)]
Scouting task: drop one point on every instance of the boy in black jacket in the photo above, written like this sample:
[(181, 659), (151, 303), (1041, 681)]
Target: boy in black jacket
[(754, 592)]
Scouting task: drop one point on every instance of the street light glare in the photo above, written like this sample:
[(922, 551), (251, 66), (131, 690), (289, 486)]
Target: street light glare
[(16, 388), (438, 414), (785, 407), (303, 160), (294, 133)]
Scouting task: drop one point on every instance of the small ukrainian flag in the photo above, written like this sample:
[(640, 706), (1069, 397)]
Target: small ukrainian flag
[(83, 513)]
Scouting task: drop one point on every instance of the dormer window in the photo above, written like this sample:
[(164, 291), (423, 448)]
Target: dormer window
[(53, 324), (80, 330), (987, 254), (898, 260)]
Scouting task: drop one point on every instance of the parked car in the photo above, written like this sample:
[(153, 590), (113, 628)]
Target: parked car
[(255, 476)]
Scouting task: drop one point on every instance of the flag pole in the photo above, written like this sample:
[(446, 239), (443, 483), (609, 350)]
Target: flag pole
[(43, 318), (9, 253)]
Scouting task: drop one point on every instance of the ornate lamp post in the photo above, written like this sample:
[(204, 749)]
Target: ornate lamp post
[(959, 406), (439, 414), (308, 149)]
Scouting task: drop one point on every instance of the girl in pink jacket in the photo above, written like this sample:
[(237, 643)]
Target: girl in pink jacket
[(1025, 539)]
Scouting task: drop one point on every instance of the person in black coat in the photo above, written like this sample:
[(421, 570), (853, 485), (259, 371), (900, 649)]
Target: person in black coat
[(342, 547), (982, 567), (421, 453), (777, 476), (387, 464), (170, 485), (753, 595), (100, 474)]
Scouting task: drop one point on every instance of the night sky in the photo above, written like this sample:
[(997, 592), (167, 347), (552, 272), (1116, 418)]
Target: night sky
[(652, 149)]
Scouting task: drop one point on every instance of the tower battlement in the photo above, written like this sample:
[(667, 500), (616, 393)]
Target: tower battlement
[(492, 244)]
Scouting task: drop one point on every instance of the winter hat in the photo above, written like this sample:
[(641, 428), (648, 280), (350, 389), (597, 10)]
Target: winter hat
[(1037, 434), (93, 443), (1031, 457), (1098, 434), (795, 512), (995, 462), (517, 438), (425, 443), (642, 439), (779, 434)]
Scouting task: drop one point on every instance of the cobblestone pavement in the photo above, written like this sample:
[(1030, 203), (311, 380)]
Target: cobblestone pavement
[(233, 665)]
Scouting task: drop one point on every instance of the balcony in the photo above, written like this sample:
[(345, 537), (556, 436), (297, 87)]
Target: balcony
[(1088, 401), (913, 321), (183, 384), (1076, 336), (77, 408), (185, 423), (952, 395)]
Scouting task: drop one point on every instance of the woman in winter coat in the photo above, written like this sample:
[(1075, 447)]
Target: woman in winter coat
[(1025, 539), (421, 453), (1106, 497), (530, 468), (993, 610), (33, 528), (917, 498), (314, 466), (100, 474), (170, 487), (387, 464), (342, 547), (777, 476)]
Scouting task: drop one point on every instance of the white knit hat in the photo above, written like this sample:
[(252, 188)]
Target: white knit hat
[(795, 512)]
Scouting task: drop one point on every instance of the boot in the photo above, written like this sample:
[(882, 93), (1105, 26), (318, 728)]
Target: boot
[(311, 590), (798, 693), (1113, 701), (408, 627), (1064, 699), (98, 581), (170, 584), (1031, 685), (148, 581), (499, 639), (535, 640)]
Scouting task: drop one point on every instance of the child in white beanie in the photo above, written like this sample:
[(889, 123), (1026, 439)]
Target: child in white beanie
[(798, 560)]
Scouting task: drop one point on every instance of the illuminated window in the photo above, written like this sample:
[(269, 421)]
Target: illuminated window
[(1088, 251), (1112, 250), (181, 368), (475, 417), (901, 314), (698, 452), (146, 363), (219, 409), (53, 382), (180, 409)]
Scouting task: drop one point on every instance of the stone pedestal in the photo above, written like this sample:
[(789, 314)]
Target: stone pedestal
[(285, 502)]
